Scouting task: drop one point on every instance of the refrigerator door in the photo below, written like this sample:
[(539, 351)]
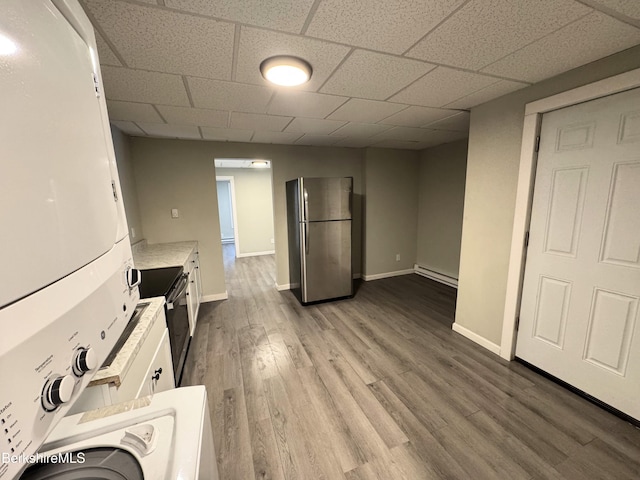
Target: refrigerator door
[(326, 260), (326, 198)]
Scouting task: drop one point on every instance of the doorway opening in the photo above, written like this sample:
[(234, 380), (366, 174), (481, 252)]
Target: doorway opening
[(245, 210)]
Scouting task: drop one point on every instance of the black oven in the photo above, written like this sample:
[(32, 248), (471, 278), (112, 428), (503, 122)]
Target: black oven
[(171, 283)]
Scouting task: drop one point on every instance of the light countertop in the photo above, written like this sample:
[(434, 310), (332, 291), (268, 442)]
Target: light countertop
[(125, 358), (160, 255)]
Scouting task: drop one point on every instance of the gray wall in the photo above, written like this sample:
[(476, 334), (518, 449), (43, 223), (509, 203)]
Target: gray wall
[(254, 208), (441, 202), (181, 174), (122, 148), (391, 210), (490, 190)]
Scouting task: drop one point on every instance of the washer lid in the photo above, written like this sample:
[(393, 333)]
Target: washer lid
[(104, 463)]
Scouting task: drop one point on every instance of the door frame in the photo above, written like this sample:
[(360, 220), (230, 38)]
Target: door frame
[(524, 193), (232, 189)]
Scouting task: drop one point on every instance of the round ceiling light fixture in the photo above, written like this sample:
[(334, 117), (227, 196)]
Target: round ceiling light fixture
[(286, 71)]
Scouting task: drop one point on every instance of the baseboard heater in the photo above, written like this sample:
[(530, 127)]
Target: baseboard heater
[(438, 277)]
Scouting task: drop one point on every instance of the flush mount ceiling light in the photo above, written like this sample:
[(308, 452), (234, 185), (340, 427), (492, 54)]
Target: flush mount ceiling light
[(260, 163), (286, 71), (7, 46)]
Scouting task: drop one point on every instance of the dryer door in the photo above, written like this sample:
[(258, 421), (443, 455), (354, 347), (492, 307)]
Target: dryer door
[(58, 211)]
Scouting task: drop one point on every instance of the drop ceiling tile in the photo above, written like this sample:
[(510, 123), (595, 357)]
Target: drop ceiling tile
[(170, 131), (365, 111), (313, 125), (442, 86), (317, 140), (354, 142), (222, 95), (438, 137), (498, 89), (275, 137), (160, 40), (389, 26), (199, 117), (145, 87), (374, 75), (399, 144), (458, 122), (134, 112), (256, 121), (417, 116), (304, 104), (129, 128), (285, 15), (404, 133), (485, 30), (593, 37), (226, 134), (105, 54), (360, 130), (628, 8), (257, 45)]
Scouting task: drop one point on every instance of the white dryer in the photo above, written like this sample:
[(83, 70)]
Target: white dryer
[(167, 436)]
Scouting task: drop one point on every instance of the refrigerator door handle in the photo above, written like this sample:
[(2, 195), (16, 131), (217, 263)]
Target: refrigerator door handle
[(306, 220), (305, 211)]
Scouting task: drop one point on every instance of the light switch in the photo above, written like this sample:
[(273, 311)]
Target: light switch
[(175, 213)]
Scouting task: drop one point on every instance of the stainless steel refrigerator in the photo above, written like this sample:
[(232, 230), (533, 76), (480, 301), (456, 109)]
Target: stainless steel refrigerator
[(319, 224)]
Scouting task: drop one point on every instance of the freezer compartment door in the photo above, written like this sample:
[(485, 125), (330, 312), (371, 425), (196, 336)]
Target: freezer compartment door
[(326, 198), (326, 258)]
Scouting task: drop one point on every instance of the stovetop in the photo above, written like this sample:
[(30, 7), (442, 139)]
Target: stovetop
[(157, 282)]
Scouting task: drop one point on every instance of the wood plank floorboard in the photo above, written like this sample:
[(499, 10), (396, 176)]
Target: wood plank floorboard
[(378, 387)]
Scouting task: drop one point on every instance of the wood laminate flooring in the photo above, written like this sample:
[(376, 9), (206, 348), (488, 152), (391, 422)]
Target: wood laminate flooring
[(380, 387)]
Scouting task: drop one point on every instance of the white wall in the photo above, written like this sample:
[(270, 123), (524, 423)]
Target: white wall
[(492, 171), (225, 210), (391, 210), (122, 148), (441, 202), (254, 208)]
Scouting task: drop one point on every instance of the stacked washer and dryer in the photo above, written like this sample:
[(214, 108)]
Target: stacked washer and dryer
[(70, 286)]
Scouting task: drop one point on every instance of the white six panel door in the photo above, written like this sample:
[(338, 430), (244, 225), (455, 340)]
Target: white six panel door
[(581, 292)]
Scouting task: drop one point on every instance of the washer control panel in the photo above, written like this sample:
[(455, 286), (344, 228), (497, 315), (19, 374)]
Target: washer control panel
[(66, 332)]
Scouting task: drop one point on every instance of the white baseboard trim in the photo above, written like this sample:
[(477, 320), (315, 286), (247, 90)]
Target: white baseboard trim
[(438, 277), (286, 286), (474, 337), (214, 298), (254, 254), (378, 276)]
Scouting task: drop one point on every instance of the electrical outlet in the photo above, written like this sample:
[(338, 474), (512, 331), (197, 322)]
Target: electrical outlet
[(175, 213), (397, 257), (272, 241)]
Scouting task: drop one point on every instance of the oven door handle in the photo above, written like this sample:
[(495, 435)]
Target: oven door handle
[(181, 288)]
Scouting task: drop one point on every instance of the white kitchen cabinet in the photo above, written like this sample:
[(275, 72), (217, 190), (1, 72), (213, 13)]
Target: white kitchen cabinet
[(194, 292), (159, 375), (148, 368)]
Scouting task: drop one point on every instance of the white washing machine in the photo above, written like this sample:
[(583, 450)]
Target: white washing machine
[(168, 436)]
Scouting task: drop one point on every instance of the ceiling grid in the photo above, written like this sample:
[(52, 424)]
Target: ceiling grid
[(387, 73)]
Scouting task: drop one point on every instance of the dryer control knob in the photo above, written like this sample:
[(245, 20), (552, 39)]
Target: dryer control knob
[(57, 391), (84, 361)]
